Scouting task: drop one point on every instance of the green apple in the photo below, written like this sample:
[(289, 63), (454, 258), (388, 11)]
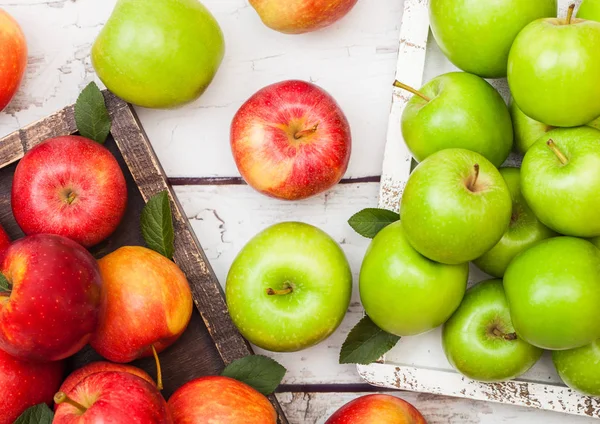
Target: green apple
[(589, 9), (403, 292), (158, 53), (553, 291), (476, 35), (523, 231), (461, 110), (527, 131), (560, 179), (289, 287), (553, 71), (479, 339), (580, 368), (455, 206)]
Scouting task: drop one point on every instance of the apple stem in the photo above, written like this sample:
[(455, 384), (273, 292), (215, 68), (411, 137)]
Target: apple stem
[(71, 197), (560, 155), (306, 132), (61, 397), (473, 180), (159, 382), (505, 336), (412, 90), (287, 289), (570, 13)]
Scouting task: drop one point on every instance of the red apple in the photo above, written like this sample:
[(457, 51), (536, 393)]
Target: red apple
[(377, 408), (13, 57), (70, 186), (220, 400), (24, 384), (112, 397), (4, 240), (299, 16), (146, 303), (291, 140), (54, 304)]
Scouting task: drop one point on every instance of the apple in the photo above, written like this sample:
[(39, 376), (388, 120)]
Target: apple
[(589, 9), (553, 70), (289, 287), (403, 292), (24, 384), (441, 116), (553, 292), (54, 302), (377, 408), (70, 186), (455, 206), (479, 339), (112, 397), (291, 140), (146, 304), (527, 130), (476, 35), (580, 368), (524, 230), (13, 57), (220, 400), (158, 53), (560, 179), (300, 16)]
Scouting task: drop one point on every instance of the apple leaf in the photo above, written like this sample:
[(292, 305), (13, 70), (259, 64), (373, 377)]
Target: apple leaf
[(366, 343), (157, 225), (91, 115), (370, 221), (4, 284), (257, 371), (38, 414)]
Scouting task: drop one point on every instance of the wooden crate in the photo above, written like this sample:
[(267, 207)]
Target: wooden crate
[(418, 363), (211, 341)]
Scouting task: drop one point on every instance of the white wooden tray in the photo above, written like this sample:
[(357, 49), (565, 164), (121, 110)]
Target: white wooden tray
[(418, 363)]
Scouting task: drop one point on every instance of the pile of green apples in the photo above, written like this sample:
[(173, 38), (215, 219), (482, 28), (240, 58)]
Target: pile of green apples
[(535, 229)]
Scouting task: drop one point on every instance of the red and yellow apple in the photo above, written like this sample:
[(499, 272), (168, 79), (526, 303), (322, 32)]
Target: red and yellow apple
[(112, 397), (70, 186), (13, 57), (377, 409), (24, 384), (220, 400), (54, 303), (291, 140), (146, 304), (299, 16)]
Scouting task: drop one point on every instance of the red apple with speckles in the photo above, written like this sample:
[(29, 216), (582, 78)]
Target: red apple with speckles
[(54, 302), (70, 186), (24, 384), (220, 400), (112, 397), (372, 409), (291, 140), (13, 57)]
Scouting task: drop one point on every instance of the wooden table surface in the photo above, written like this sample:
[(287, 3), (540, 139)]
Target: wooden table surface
[(354, 60)]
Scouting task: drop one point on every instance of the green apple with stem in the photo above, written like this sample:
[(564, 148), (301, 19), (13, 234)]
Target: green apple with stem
[(455, 206), (479, 339), (403, 292), (560, 179), (580, 368), (459, 110), (289, 287), (524, 230), (553, 292), (476, 35), (553, 70), (589, 9)]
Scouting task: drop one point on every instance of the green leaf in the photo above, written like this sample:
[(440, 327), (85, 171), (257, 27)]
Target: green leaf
[(38, 414), (260, 372), (157, 225), (370, 221), (4, 284), (91, 115), (366, 343)]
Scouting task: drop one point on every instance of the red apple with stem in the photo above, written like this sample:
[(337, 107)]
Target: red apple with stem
[(70, 186), (291, 140), (377, 408), (13, 57), (24, 384), (53, 304), (112, 397)]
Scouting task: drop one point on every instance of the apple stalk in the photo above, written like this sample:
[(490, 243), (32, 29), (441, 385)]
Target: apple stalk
[(304, 133), (159, 382), (411, 90), (472, 182), (61, 397), (570, 13), (560, 155), (506, 336), (287, 289)]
